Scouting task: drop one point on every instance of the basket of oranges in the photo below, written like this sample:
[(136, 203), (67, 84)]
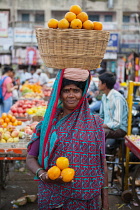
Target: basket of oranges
[(73, 42)]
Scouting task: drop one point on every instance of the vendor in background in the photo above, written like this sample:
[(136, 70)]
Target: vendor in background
[(25, 76), (7, 90), (113, 111), (34, 76), (42, 77)]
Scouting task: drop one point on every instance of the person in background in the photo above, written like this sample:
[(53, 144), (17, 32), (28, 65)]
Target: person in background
[(7, 89), (16, 82), (113, 110), (25, 76), (34, 76), (69, 130), (42, 77)]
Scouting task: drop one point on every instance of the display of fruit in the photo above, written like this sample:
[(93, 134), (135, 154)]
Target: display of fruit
[(75, 19), (61, 169), (10, 134), (27, 87), (9, 119), (37, 111), (47, 91), (19, 108), (29, 129), (33, 95)]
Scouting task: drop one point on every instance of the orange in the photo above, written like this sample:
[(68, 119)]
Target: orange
[(82, 16), (98, 25), (15, 123), (53, 23), (69, 16), (4, 115), (1, 121), (13, 119), (89, 25), (76, 24), (7, 120), (75, 9), (67, 174), (4, 125), (19, 122), (63, 24), (54, 172), (62, 162), (9, 116), (10, 123)]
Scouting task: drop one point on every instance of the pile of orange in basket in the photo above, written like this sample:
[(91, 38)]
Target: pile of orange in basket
[(75, 19)]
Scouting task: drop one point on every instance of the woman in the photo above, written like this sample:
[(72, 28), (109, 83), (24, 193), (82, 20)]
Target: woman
[(7, 89), (68, 130)]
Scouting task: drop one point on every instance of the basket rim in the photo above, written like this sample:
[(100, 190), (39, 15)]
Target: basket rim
[(71, 30)]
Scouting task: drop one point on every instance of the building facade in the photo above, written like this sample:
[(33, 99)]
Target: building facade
[(18, 43)]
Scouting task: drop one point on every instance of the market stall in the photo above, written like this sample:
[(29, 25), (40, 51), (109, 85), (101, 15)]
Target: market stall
[(133, 143)]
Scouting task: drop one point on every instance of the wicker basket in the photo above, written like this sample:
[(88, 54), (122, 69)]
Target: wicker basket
[(69, 48)]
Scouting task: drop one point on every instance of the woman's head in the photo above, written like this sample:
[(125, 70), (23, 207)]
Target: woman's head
[(8, 70), (72, 88)]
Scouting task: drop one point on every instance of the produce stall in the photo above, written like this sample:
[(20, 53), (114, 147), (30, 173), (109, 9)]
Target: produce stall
[(133, 143)]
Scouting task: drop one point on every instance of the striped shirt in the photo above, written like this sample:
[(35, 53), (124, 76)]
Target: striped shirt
[(114, 110)]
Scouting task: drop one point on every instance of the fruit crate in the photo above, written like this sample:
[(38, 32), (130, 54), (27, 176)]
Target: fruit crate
[(133, 142), (72, 48)]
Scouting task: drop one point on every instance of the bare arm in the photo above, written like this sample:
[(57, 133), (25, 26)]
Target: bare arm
[(32, 164), (10, 88), (104, 191)]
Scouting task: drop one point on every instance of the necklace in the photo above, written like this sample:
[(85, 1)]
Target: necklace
[(61, 115)]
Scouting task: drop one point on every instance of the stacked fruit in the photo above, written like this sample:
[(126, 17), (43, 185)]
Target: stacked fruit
[(10, 134), (75, 19), (32, 87), (9, 119), (37, 111), (19, 108), (29, 129), (61, 169)]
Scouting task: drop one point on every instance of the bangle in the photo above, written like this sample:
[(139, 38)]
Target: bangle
[(105, 187), (39, 169), (40, 176)]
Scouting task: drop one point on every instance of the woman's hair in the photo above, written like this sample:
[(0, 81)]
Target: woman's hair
[(108, 78), (80, 85), (7, 69)]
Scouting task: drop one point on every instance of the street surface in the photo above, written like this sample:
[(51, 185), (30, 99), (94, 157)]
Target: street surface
[(22, 182)]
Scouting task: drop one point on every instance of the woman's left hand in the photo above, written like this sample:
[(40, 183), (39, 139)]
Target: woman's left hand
[(45, 178)]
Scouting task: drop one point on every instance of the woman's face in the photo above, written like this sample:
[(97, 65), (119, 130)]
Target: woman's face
[(70, 96)]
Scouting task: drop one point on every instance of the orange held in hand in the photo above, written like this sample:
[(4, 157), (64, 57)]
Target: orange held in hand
[(63, 24), (62, 162), (75, 9), (67, 174), (53, 23), (54, 173)]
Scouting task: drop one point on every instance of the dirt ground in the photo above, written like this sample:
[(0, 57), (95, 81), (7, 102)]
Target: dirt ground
[(20, 183)]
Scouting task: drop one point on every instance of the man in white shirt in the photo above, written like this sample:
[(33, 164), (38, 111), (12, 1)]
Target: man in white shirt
[(43, 78), (35, 77), (25, 76)]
